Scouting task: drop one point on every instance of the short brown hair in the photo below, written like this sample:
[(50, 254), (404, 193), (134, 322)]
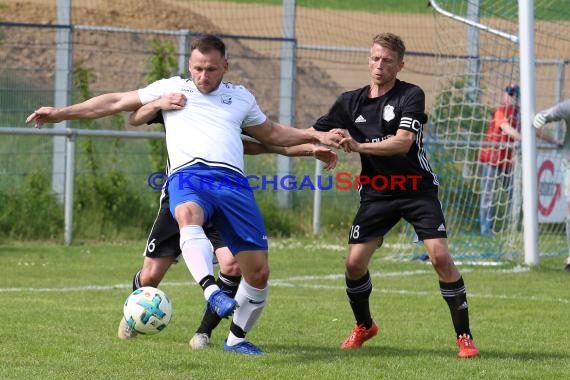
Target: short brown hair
[(392, 42), (208, 42)]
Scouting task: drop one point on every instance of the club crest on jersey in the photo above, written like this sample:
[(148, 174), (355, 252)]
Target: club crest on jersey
[(388, 114), (226, 99)]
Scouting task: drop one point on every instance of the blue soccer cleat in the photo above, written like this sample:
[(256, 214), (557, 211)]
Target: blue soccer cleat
[(244, 347), (221, 304)]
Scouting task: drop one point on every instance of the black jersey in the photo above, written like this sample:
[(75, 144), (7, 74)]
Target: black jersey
[(376, 119)]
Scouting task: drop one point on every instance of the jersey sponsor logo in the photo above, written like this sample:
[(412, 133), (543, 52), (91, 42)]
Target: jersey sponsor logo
[(186, 89), (360, 119), (388, 113), (226, 99)]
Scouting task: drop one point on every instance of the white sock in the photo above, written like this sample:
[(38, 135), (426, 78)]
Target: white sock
[(251, 302), (198, 253)]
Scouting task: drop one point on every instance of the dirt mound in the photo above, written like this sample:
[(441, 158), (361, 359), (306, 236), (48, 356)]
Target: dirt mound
[(251, 68)]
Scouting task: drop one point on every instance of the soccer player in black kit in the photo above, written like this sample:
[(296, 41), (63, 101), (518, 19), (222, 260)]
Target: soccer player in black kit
[(383, 122)]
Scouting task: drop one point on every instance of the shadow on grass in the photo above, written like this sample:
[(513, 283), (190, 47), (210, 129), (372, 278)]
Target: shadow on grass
[(311, 353)]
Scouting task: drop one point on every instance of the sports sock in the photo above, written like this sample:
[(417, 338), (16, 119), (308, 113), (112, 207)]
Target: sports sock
[(455, 295), (251, 302), (358, 292), (198, 253), (211, 320), (137, 280)]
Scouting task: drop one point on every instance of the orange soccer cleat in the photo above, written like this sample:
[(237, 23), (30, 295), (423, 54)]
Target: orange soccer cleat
[(467, 348), (358, 336)]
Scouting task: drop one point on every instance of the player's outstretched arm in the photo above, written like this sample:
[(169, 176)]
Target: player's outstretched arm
[(271, 133), (321, 153), (146, 113), (395, 145), (94, 108)]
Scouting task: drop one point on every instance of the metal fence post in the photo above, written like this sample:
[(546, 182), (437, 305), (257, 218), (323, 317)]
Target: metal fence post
[(62, 93), (69, 186), (183, 51), (287, 92)]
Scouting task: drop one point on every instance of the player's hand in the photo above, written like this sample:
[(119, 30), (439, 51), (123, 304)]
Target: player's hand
[(347, 143), (172, 101), (539, 120), (341, 132), (325, 155), (329, 139), (43, 115)]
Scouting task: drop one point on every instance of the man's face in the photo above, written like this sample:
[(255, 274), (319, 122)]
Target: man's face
[(383, 64), (207, 69)]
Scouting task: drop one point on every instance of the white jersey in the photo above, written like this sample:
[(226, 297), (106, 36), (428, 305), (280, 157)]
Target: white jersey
[(208, 129)]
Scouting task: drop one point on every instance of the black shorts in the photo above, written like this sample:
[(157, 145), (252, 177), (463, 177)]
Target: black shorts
[(164, 237), (376, 217)]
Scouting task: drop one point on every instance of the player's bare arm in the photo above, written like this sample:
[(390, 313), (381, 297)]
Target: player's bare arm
[(392, 146), (324, 154), (271, 133), (94, 108), (168, 102)]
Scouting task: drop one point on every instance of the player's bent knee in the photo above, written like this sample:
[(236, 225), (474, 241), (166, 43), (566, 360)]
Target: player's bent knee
[(355, 269), (230, 269), (258, 278), (148, 278)]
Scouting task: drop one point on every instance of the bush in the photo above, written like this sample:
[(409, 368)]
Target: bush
[(32, 212)]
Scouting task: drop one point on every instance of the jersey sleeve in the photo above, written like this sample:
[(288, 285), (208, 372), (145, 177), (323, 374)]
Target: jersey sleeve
[(336, 117), (561, 111), (155, 90), (255, 115), (413, 110)]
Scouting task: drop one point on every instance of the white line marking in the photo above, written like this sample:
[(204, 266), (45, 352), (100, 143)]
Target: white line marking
[(300, 282)]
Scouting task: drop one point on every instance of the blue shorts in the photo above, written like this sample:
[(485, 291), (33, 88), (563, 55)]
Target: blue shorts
[(227, 201)]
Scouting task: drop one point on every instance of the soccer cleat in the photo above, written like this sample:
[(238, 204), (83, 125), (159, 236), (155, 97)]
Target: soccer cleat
[(125, 331), (467, 348), (200, 341), (244, 347), (358, 336), (221, 304)]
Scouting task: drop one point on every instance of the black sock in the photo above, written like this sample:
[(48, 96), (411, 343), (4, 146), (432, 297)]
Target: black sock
[(137, 280), (358, 292), (455, 295), (237, 331), (209, 280), (210, 320)]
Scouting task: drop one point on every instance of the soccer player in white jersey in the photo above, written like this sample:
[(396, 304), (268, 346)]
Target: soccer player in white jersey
[(207, 181), (560, 111), (163, 246)]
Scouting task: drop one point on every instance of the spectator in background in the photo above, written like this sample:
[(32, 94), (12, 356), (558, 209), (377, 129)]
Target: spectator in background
[(496, 156), (559, 111)]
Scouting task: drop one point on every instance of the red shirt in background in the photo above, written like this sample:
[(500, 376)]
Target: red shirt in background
[(500, 154)]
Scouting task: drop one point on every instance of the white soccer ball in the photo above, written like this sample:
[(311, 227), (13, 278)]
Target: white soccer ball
[(147, 310)]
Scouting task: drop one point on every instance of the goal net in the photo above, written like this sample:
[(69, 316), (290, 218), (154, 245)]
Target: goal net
[(481, 188)]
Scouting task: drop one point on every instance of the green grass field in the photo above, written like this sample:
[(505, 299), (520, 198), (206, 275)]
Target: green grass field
[(62, 306)]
